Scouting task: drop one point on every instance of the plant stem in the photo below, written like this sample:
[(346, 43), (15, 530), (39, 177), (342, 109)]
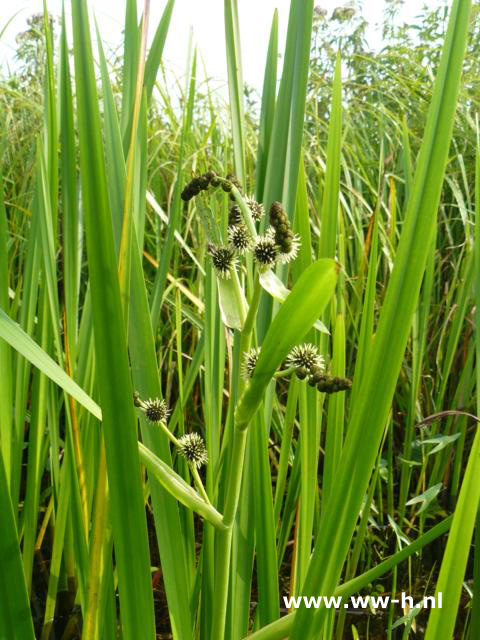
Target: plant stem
[(247, 214), (193, 468), (199, 483), (224, 538)]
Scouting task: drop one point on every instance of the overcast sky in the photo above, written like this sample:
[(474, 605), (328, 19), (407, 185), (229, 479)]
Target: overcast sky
[(206, 19)]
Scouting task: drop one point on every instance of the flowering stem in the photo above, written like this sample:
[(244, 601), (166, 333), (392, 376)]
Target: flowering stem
[(223, 546), (169, 434), (199, 483), (196, 477), (238, 295), (285, 372), (247, 214)]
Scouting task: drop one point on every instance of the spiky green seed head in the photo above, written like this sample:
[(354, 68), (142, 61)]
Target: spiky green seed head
[(239, 238), (192, 447), (256, 209), (305, 356), (265, 252), (249, 363), (223, 258), (155, 410)]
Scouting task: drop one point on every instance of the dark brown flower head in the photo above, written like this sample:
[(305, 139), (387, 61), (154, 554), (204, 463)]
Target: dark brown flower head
[(235, 215), (334, 384), (277, 214), (196, 185)]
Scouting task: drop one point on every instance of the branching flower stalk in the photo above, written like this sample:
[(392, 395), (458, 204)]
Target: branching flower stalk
[(234, 480), (191, 445), (278, 245)]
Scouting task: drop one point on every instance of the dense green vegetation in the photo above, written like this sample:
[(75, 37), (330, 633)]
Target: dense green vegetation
[(209, 401)]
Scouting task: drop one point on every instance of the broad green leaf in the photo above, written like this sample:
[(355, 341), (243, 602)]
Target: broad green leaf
[(426, 497), (275, 287), (231, 300), (304, 304)]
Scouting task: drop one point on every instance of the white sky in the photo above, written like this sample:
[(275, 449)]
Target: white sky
[(206, 19)]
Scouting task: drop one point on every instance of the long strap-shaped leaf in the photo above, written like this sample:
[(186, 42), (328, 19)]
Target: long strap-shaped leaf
[(16, 337), (235, 85), (375, 396), (441, 623), (279, 629), (113, 375), (15, 617), (6, 388), (146, 380)]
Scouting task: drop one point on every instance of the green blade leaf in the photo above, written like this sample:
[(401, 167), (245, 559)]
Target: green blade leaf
[(378, 385), (301, 308), (119, 420), (15, 617), (14, 335)]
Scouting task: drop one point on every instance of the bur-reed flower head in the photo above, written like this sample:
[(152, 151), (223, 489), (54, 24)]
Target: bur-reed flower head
[(155, 409), (256, 209), (234, 181), (277, 214), (198, 184), (287, 242), (288, 248), (249, 363), (239, 238), (235, 215), (192, 447), (333, 384), (223, 258), (305, 356), (265, 252)]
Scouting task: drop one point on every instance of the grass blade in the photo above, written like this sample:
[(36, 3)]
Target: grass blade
[(15, 617), (378, 385), (131, 542), (235, 85)]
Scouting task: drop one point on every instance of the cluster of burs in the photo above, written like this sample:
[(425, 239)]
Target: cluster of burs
[(277, 244), (305, 362)]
